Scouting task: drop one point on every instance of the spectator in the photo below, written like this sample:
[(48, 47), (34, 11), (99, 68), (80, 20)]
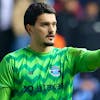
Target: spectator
[(6, 32), (22, 39), (68, 21)]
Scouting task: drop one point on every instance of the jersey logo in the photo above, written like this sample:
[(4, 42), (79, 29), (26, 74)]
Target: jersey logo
[(55, 71)]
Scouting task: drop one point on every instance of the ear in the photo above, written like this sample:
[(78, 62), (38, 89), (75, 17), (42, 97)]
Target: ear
[(28, 28)]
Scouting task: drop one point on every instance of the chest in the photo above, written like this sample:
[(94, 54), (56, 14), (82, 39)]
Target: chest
[(38, 74), (44, 73)]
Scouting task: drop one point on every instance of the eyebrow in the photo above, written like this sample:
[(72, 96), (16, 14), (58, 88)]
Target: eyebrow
[(48, 22)]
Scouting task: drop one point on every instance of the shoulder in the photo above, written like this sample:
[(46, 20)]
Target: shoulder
[(15, 54), (60, 50), (70, 50)]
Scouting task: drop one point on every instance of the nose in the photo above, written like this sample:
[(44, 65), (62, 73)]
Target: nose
[(52, 29)]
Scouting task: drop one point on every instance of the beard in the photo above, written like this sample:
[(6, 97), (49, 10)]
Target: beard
[(48, 44)]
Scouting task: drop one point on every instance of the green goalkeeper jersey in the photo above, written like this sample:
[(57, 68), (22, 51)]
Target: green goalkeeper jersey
[(29, 75)]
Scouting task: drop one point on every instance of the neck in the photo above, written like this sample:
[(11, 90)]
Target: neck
[(40, 48)]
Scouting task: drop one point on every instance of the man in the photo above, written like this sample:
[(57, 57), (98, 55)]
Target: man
[(41, 71), (6, 31)]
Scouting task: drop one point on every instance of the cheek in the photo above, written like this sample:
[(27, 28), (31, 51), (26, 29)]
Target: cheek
[(42, 30), (40, 35)]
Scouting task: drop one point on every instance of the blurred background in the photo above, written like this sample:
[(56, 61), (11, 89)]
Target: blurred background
[(78, 26)]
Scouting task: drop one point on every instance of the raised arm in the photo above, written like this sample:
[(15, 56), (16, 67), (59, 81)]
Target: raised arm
[(85, 60)]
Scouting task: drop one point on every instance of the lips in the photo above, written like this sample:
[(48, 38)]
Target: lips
[(50, 35)]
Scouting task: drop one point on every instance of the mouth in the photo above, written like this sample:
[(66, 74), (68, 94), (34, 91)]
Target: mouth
[(50, 36)]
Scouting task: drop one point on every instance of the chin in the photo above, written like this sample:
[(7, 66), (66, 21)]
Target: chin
[(49, 44)]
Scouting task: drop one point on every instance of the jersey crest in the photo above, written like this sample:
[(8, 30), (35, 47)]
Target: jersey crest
[(55, 71)]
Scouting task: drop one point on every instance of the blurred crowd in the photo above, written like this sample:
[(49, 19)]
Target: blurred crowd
[(78, 25)]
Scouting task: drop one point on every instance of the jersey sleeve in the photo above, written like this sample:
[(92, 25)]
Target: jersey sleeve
[(5, 93), (6, 78), (85, 60)]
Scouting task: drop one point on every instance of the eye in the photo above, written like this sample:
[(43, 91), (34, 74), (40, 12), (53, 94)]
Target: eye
[(44, 24), (54, 24)]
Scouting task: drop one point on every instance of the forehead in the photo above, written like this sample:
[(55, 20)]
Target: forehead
[(46, 17)]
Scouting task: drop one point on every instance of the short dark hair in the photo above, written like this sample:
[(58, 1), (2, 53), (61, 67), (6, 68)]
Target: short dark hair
[(34, 10)]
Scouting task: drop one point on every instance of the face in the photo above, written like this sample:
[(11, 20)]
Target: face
[(43, 32), (92, 9), (72, 5)]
